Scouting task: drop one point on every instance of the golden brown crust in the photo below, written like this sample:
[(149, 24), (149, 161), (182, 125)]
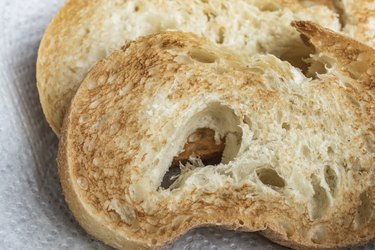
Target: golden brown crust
[(117, 144), (90, 222), (48, 75)]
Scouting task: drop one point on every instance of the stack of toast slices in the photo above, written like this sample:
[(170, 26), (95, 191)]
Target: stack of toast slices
[(254, 115)]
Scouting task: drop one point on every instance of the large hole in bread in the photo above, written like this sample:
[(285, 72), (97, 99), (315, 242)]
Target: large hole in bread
[(320, 201), (365, 209), (299, 57), (270, 177), (200, 144), (217, 143)]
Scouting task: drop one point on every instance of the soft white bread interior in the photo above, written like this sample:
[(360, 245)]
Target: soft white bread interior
[(83, 32), (298, 162)]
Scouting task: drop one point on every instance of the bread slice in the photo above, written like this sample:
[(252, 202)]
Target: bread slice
[(298, 163), (83, 32)]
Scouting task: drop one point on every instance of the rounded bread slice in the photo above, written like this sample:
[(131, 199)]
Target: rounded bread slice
[(298, 163), (83, 32)]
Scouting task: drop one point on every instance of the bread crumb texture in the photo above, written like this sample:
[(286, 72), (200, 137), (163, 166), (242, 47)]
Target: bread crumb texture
[(83, 32), (299, 154)]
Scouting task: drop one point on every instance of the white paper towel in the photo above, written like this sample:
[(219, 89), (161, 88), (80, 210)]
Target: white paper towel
[(33, 214)]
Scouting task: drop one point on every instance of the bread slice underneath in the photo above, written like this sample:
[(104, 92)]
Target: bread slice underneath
[(83, 32), (298, 163)]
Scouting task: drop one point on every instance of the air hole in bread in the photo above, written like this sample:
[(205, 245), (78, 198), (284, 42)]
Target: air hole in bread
[(303, 57), (162, 231), (218, 143), (241, 222), (306, 151), (270, 177), (331, 178), (330, 151), (297, 61), (320, 200), (316, 68), (285, 126), (221, 35), (200, 144), (365, 209), (136, 8), (297, 56), (202, 56), (170, 176), (251, 127)]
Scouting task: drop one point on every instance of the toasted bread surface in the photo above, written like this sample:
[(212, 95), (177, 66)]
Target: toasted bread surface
[(83, 32), (299, 154)]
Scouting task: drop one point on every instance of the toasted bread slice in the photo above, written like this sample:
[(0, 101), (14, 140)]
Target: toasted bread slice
[(83, 32), (298, 163)]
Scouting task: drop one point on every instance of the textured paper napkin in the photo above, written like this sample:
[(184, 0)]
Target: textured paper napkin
[(33, 213)]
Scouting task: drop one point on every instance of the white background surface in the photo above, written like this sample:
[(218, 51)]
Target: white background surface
[(33, 214)]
